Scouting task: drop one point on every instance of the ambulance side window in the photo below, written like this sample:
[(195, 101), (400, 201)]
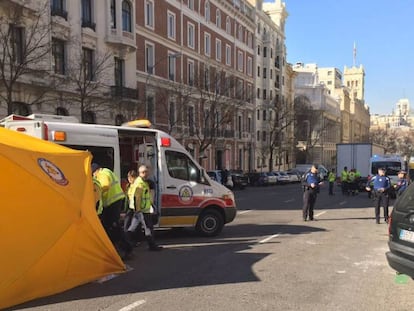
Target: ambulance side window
[(104, 156), (180, 166)]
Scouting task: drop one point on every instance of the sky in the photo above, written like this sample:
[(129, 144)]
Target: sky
[(324, 32)]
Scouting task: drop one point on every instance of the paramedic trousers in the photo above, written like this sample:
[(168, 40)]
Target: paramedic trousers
[(309, 199), (111, 222), (381, 198)]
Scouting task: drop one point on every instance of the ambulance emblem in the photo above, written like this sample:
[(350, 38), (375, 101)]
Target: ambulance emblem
[(186, 194), (52, 171)]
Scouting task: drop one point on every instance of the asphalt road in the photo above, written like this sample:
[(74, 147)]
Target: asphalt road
[(267, 259)]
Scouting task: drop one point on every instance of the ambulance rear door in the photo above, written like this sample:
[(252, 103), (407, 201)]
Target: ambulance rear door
[(29, 127)]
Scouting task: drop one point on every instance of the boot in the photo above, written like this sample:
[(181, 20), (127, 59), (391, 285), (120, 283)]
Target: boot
[(152, 246)]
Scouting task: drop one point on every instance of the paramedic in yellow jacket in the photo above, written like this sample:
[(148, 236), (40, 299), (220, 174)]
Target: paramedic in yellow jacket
[(140, 200), (97, 191), (112, 201)]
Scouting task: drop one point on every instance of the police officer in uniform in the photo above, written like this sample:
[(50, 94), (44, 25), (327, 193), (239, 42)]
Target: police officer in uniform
[(310, 191), (381, 185)]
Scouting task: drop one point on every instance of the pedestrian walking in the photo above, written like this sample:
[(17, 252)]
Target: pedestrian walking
[(311, 185), (381, 185), (140, 200), (112, 201), (331, 180)]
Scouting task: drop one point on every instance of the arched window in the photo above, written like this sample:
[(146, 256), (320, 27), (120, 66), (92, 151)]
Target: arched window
[(126, 16), (218, 18), (119, 119), (228, 25), (89, 117), (21, 109), (207, 11), (61, 111)]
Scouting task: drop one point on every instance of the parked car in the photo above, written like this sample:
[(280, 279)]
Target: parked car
[(258, 179), (271, 178), (240, 179), (282, 178), (401, 234), (294, 177)]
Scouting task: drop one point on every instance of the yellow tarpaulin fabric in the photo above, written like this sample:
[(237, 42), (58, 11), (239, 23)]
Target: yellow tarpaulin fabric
[(50, 237)]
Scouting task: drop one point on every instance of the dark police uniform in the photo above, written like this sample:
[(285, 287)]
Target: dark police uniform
[(309, 194), (382, 185)]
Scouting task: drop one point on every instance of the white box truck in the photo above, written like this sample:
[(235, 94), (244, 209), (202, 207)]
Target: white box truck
[(356, 155)]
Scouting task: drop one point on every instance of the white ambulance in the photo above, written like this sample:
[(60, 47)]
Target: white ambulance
[(185, 195)]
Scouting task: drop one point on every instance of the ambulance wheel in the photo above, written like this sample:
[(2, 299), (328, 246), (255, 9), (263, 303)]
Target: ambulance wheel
[(210, 223)]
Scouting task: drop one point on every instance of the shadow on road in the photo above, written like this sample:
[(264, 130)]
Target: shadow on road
[(186, 261)]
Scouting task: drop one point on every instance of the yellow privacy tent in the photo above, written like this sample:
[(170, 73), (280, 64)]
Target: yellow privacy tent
[(50, 237)]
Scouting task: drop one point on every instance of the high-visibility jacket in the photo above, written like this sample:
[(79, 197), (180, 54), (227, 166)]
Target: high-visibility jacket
[(344, 176), (331, 177), (351, 176), (98, 195), (142, 195), (111, 187)]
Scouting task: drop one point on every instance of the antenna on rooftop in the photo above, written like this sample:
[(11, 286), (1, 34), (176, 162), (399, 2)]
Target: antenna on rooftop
[(354, 55)]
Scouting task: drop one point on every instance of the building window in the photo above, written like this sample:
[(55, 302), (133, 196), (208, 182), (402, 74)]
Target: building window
[(21, 109), (258, 50), (240, 61), (58, 52), (218, 50), (89, 117), (149, 14), (191, 120), (119, 71), (18, 43), (218, 18), (190, 73), (149, 58), (240, 33), (88, 64), (207, 79), (171, 25), (207, 44), (171, 67), (249, 66), (264, 51), (264, 73), (207, 11), (228, 55), (57, 8), (126, 16), (228, 25), (87, 20), (191, 4), (113, 14), (119, 119), (61, 111), (190, 35)]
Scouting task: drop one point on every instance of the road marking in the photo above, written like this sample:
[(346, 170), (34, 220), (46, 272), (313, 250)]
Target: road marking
[(342, 203), (133, 305), (269, 238), (319, 214), (288, 201), (244, 212)]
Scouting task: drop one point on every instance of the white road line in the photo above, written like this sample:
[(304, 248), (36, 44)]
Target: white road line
[(291, 200), (132, 306), (319, 214), (244, 212), (342, 203), (269, 238)]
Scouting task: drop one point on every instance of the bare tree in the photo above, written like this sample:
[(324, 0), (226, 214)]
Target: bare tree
[(86, 76), (24, 38), (220, 97), (310, 127), (280, 121)]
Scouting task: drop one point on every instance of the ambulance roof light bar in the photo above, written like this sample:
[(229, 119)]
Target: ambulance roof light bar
[(143, 123)]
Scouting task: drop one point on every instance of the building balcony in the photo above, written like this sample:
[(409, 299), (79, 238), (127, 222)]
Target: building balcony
[(121, 40), (59, 12), (124, 92), (88, 24)]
